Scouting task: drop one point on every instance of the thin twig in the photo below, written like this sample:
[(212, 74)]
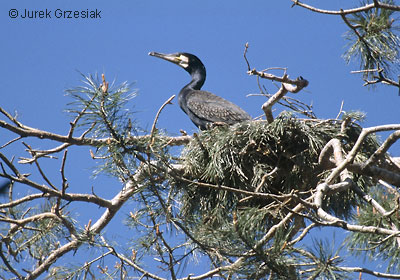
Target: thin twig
[(11, 141), (38, 167), (340, 110), (10, 164), (246, 46), (80, 114), (153, 127)]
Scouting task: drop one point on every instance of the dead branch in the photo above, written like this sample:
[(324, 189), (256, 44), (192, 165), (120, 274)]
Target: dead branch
[(351, 155), (153, 127), (382, 150), (366, 7), (26, 131), (370, 272), (287, 85)]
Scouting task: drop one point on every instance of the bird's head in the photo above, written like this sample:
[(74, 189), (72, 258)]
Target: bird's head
[(187, 61)]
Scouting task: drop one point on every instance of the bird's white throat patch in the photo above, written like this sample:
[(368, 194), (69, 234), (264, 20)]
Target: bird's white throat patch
[(184, 61)]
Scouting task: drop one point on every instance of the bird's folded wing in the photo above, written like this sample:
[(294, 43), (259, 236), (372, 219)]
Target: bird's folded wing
[(213, 108)]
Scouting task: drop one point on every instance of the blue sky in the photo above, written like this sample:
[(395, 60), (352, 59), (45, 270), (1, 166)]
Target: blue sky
[(43, 57)]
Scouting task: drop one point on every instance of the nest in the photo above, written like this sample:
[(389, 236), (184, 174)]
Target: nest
[(276, 158)]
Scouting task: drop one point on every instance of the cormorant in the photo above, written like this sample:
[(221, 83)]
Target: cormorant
[(4, 187), (202, 107)]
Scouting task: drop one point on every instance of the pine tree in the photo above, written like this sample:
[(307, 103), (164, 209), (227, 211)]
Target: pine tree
[(239, 198)]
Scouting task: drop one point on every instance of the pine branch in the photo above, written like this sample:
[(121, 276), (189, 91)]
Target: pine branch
[(26, 131), (53, 257)]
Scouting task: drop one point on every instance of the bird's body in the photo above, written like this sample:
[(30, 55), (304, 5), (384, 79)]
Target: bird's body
[(202, 107)]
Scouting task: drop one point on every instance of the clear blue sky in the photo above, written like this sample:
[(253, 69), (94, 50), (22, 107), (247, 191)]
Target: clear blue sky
[(40, 59)]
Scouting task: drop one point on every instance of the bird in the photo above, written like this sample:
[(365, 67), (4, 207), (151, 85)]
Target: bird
[(4, 187), (204, 108)]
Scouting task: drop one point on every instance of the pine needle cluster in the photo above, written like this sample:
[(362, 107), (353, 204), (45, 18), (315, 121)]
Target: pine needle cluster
[(374, 246), (374, 40), (102, 112)]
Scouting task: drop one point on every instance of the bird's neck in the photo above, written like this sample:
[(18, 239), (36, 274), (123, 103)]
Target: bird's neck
[(198, 79)]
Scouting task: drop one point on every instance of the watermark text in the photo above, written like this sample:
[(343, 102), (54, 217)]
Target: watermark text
[(56, 14)]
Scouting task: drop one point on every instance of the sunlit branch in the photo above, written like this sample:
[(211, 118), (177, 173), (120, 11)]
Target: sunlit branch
[(366, 7)]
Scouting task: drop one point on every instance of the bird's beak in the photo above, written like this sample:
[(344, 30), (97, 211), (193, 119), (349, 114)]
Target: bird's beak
[(169, 57)]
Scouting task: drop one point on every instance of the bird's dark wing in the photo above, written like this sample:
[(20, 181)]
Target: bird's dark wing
[(213, 108), (4, 187)]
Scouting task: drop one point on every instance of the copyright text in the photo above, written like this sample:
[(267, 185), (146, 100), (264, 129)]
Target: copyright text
[(57, 14)]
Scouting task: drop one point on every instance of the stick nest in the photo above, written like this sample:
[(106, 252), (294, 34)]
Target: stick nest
[(276, 158)]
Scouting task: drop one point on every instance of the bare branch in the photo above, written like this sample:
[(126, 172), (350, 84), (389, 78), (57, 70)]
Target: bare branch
[(21, 222), (246, 47), (297, 84), (305, 231), (292, 86), (11, 141), (370, 272), (153, 128), (366, 7), (22, 200), (38, 167), (54, 256), (267, 106), (288, 85), (25, 131), (383, 148), (350, 157), (10, 164), (11, 118), (62, 171)]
